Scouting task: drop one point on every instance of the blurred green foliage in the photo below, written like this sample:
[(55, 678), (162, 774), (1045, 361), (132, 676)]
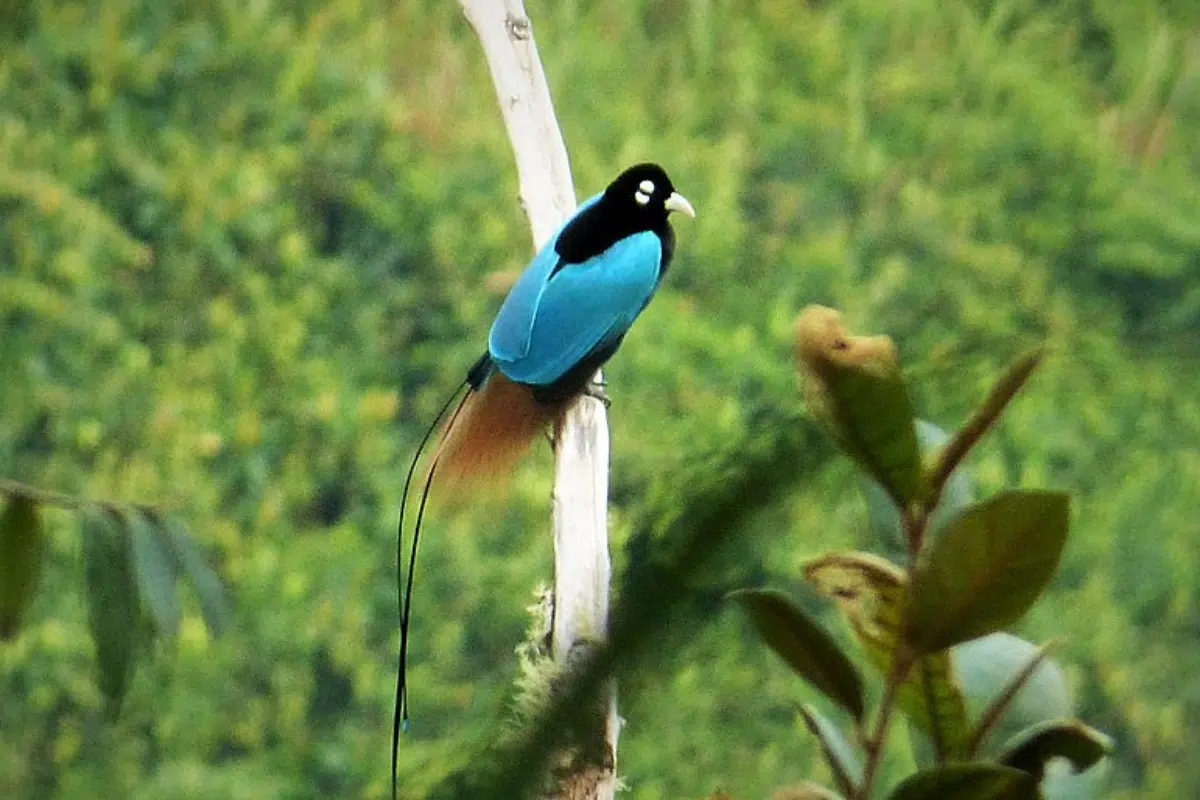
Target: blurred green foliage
[(245, 250)]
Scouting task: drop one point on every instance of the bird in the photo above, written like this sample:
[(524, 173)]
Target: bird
[(565, 316)]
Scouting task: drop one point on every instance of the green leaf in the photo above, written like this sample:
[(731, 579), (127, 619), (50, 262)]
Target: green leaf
[(112, 600), (855, 388), (1083, 746), (22, 551), (984, 667), (1004, 698), (211, 593), (156, 569), (1010, 382), (805, 646), (843, 761), (933, 702), (968, 782), (870, 593), (987, 568)]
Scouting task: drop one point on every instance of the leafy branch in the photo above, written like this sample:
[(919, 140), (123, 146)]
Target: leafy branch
[(135, 556), (918, 625)]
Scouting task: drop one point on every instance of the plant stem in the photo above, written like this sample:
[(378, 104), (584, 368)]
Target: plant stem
[(916, 519), (901, 662), (914, 533)]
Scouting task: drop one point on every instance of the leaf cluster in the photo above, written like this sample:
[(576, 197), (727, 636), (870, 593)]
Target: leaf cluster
[(924, 626), (134, 559)]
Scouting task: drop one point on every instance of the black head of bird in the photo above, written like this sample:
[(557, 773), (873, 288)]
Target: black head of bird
[(639, 199), (645, 195)]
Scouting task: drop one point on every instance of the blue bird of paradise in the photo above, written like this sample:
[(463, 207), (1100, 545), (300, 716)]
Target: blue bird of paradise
[(565, 316)]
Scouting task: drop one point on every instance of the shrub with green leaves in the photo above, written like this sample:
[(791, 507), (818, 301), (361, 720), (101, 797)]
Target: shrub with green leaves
[(990, 711)]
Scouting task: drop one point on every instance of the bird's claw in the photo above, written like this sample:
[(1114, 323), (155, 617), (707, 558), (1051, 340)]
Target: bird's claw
[(595, 390)]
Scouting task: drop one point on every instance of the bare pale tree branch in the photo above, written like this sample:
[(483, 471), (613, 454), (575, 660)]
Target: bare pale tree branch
[(582, 571)]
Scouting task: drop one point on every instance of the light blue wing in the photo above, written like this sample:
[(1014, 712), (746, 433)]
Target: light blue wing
[(583, 307), (512, 329)]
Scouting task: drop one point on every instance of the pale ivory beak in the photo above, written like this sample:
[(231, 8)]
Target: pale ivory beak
[(677, 202)]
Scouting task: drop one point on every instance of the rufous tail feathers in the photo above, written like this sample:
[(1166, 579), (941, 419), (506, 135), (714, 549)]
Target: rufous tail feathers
[(491, 430)]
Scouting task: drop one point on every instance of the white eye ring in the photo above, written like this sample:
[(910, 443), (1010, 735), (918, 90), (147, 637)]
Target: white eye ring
[(646, 187), (641, 197)]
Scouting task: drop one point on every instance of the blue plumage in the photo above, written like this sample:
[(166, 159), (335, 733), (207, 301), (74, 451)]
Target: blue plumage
[(512, 330), (570, 308), (547, 324)]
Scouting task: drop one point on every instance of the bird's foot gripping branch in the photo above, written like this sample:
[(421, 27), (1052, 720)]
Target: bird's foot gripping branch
[(988, 712)]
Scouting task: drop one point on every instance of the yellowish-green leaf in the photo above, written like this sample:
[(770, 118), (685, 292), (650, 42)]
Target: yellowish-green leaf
[(934, 703), (870, 592), (855, 388)]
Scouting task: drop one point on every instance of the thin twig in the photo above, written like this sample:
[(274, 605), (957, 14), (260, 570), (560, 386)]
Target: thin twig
[(902, 661), (42, 496)]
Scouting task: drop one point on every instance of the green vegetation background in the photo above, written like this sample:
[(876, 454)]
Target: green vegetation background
[(247, 248)]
